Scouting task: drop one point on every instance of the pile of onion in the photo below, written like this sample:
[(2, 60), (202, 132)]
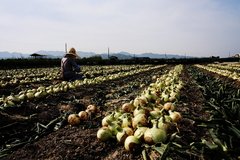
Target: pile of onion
[(149, 118), (77, 119)]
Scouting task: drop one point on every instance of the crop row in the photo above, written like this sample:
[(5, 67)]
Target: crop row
[(43, 91), (228, 66), (222, 102), (25, 76), (224, 72)]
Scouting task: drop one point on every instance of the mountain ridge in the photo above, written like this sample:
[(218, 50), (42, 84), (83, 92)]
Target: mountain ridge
[(120, 55)]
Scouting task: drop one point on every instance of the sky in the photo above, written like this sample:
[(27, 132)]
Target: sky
[(187, 27)]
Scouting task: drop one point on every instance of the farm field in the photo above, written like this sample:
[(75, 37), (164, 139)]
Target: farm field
[(35, 107)]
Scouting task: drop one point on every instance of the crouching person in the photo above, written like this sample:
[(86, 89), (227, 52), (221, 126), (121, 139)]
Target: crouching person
[(69, 67)]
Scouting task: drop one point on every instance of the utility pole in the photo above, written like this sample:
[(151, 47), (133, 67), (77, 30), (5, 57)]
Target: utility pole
[(108, 52), (66, 47)]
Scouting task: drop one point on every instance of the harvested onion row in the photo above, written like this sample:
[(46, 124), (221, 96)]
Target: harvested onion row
[(64, 86), (149, 118)]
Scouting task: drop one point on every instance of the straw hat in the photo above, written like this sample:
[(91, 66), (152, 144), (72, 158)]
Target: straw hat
[(72, 51)]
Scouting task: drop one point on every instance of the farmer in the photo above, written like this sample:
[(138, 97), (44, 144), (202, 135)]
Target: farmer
[(69, 66)]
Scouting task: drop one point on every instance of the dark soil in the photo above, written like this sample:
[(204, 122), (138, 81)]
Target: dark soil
[(80, 142)]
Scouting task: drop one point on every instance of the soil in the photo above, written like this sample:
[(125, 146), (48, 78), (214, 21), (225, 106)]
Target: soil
[(80, 142)]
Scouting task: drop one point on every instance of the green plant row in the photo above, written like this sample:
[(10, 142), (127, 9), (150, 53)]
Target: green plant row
[(223, 104)]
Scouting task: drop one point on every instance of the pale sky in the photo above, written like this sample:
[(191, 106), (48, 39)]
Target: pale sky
[(191, 27)]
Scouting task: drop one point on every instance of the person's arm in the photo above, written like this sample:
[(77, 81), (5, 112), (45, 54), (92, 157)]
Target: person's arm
[(76, 67)]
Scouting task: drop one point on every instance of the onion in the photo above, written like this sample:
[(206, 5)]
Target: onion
[(156, 93), (140, 101), (8, 104), (165, 97), (169, 106), (139, 132), (22, 96), (155, 135), (83, 115), (93, 108), (118, 113), (30, 95), (150, 97), (104, 134), (155, 114), (139, 119), (114, 127), (123, 134), (140, 110), (127, 107), (176, 116), (108, 117), (159, 101), (13, 98), (74, 119), (132, 144), (126, 121), (166, 123)]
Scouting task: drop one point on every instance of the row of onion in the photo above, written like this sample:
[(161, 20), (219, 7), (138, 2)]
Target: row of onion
[(64, 86), (223, 72), (24, 76), (150, 118)]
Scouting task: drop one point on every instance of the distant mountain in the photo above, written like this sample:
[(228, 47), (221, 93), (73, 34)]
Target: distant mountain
[(60, 54), (13, 55)]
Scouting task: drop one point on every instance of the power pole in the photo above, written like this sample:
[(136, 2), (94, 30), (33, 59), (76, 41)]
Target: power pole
[(108, 52), (66, 47)]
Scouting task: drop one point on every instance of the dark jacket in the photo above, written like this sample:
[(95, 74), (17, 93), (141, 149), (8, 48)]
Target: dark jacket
[(69, 68)]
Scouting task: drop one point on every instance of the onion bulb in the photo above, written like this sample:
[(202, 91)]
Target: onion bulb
[(93, 108), (108, 117), (140, 110), (140, 101), (155, 135), (169, 106), (123, 134), (114, 127), (83, 115), (176, 116), (126, 121), (127, 107), (132, 144), (74, 119), (150, 96), (139, 119), (155, 114), (166, 123), (104, 134), (139, 132)]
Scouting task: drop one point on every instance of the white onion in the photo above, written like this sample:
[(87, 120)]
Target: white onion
[(73, 119), (123, 134), (132, 144), (127, 107), (139, 119), (169, 106), (83, 115), (176, 116), (104, 134), (155, 135)]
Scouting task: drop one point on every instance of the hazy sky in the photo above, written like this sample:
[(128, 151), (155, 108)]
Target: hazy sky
[(191, 27)]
